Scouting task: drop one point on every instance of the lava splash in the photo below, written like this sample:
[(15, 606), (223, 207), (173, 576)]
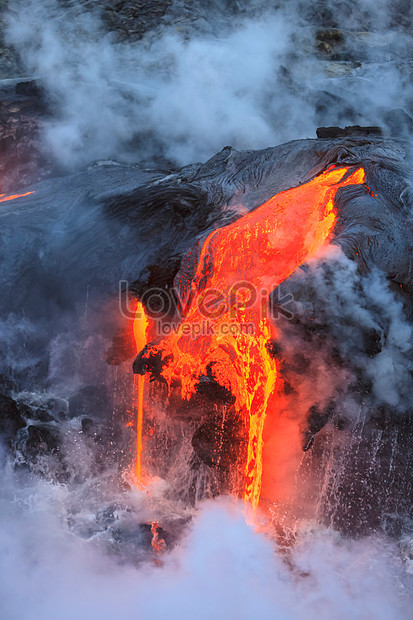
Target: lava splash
[(225, 331)]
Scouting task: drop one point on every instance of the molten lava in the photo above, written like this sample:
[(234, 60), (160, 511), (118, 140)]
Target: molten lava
[(158, 543), (225, 331), (4, 198), (140, 325)]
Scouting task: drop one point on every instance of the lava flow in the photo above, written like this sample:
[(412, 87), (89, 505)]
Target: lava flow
[(4, 198), (140, 325), (225, 331)]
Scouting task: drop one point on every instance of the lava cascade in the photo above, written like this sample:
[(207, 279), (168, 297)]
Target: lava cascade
[(140, 326), (225, 330)]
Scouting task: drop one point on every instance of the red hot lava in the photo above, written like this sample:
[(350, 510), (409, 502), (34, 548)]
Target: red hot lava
[(140, 326), (225, 327), (4, 198)]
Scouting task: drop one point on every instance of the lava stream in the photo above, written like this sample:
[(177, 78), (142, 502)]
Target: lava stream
[(225, 329), (140, 325), (4, 198)]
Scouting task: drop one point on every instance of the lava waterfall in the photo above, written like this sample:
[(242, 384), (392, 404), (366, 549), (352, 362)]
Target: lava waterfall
[(259, 346), (226, 328)]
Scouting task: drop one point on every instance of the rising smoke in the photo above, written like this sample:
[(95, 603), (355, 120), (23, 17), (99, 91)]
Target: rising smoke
[(184, 91)]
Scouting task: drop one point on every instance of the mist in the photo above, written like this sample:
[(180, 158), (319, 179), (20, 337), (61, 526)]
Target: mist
[(184, 91), (222, 568)]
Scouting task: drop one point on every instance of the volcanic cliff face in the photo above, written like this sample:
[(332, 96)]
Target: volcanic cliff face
[(342, 340), (344, 323)]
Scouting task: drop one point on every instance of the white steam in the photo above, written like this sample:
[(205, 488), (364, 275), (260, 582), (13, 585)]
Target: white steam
[(223, 569), (190, 97), (357, 303), (184, 95)]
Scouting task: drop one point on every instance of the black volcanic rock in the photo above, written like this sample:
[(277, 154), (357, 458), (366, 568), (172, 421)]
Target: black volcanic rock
[(316, 420), (220, 441), (41, 440), (131, 20), (42, 415), (91, 400), (355, 130), (11, 420)]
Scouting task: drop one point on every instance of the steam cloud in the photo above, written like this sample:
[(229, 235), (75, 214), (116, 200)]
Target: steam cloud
[(252, 82), (349, 306), (222, 569)]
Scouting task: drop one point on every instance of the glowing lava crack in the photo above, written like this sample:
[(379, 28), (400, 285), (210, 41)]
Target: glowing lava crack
[(4, 198), (238, 267)]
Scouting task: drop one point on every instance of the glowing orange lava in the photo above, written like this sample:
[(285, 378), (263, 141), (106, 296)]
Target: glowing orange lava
[(4, 198), (158, 543), (225, 328), (140, 325)]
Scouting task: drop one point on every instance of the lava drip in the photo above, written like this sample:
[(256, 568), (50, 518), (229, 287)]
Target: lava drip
[(140, 326), (225, 331)]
